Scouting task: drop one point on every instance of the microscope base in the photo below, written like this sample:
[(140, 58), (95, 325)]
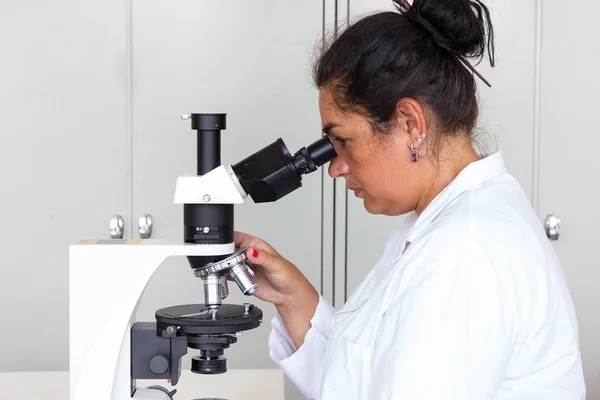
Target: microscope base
[(106, 281)]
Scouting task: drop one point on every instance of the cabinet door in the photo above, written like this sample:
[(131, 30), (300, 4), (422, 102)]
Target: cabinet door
[(250, 60), (63, 161), (505, 123), (569, 184)]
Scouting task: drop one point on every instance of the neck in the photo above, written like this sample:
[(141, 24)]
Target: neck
[(454, 156)]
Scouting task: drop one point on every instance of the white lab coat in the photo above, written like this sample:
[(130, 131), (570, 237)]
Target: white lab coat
[(468, 301)]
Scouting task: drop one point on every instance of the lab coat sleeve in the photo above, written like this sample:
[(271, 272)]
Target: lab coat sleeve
[(303, 366), (449, 339)]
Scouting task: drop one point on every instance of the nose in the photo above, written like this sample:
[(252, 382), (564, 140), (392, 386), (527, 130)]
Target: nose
[(338, 167)]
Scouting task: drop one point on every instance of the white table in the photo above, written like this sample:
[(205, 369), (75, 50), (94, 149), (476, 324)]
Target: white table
[(240, 384)]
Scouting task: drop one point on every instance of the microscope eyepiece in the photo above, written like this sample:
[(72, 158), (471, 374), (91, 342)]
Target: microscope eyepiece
[(321, 151), (308, 159), (272, 172)]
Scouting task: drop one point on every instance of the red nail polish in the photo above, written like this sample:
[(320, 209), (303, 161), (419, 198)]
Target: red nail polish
[(254, 253)]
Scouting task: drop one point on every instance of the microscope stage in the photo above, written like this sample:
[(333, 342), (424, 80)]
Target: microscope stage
[(200, 319)]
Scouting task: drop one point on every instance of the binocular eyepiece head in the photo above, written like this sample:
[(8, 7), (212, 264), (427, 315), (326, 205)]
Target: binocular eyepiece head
[(272, 172)]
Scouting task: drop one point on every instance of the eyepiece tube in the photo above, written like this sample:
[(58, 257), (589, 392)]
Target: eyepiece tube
[(272, 172), (308, 159), (322, 151)]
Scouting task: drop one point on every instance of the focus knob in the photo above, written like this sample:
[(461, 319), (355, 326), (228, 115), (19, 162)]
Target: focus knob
[(159, 364)]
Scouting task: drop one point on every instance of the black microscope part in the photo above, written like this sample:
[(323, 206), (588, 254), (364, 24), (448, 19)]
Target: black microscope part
[(154, 356), (209, 365), (272, 172), (322, 151), (207, 223), (196, 319), (211, 336), (208, 127)]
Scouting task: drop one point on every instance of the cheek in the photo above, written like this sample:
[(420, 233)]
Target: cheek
[(358, 161), (384, 176), (374, 168)]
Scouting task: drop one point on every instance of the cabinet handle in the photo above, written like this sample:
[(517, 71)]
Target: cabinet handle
[(552, 226), (145, 226), (116, 227)]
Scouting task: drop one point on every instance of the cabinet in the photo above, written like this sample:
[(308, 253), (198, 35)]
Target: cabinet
[(569, 139), (63, 161)]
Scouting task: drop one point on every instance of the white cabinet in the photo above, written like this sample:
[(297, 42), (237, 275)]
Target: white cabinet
[(569, 175), (63, 161)]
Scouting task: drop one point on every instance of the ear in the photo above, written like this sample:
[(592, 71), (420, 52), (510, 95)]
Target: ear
[(412, 119)]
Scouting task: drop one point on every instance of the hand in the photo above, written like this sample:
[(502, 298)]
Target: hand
[(280, 282), (278, 279)]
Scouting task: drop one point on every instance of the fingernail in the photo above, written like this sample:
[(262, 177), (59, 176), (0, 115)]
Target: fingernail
[(254, 253)]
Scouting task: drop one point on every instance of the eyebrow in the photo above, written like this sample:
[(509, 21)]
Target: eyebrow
[(328, 127)]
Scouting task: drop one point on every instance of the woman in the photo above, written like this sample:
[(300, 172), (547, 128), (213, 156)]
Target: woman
[(468, 300)]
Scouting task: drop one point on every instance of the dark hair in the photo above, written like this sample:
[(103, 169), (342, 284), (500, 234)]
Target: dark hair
[(414, 53)]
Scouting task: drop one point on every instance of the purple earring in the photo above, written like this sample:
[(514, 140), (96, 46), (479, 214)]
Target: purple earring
[(415, 153), (415, 150)]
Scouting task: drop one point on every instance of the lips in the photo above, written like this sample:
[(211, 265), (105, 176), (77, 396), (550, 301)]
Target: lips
[(356, 191)]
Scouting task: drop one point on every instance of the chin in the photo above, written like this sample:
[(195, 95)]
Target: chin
[(375, 208), (372, 207)]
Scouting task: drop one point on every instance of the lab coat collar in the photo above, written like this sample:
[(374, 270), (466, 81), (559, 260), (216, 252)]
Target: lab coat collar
[(474, 174)]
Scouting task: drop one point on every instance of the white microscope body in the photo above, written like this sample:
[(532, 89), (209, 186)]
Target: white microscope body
[(108, 277)]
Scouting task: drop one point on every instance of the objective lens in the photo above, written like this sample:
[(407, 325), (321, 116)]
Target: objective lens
[(212, 290), (224, 287), (244, 279)]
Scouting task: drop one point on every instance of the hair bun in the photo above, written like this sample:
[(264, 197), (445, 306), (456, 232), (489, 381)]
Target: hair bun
[(462, 27)]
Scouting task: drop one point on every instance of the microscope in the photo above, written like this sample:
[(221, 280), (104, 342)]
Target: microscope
[(109, 350)]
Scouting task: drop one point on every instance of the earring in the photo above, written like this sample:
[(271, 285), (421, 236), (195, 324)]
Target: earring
[(415, 150), (415, 153)]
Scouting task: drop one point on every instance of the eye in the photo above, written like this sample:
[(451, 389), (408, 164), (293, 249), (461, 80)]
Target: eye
[(341, 141)]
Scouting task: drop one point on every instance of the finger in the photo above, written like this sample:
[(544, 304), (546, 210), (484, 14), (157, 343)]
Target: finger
[(244, 240), (268, 261), (241, 238)]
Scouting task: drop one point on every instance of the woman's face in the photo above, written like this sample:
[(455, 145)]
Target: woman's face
[(377, 167)]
